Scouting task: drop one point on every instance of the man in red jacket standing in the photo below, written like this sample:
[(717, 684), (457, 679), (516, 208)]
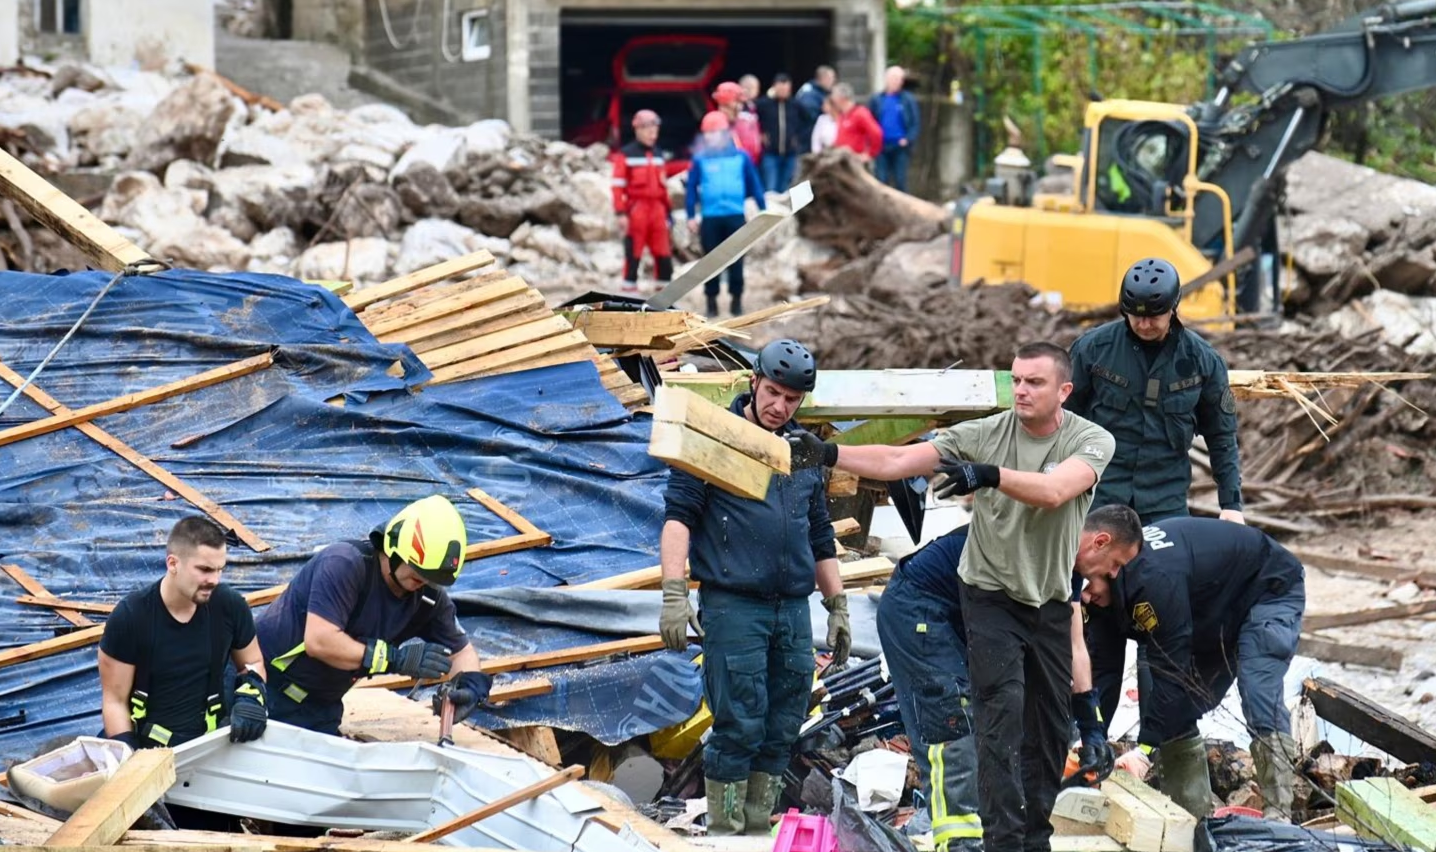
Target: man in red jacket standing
[(640, 199), (858, 131)]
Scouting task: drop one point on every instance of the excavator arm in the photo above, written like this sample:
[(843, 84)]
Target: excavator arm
[(1246, 148)]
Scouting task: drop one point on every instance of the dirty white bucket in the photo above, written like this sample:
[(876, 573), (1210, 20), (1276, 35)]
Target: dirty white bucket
[(66, 777)]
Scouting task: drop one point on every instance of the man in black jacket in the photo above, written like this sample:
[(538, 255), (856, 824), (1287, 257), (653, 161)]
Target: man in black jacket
[(781, 121), (1213, 602), (756, 562)]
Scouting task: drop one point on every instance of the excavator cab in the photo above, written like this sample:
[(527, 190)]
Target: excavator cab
[(1133, 195)]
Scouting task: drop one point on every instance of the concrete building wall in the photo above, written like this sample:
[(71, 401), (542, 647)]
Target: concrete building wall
[(31, 41), (340, 22), (413, 43), (859, 46), (9, 32), (151, 33)]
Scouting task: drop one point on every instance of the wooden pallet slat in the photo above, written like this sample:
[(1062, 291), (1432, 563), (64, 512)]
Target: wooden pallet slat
[(560, 349), (473, 298), (362, 299)]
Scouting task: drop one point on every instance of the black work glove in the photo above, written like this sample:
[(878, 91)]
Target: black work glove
[(422, 660), (966, 477), (249, 715), (129, 738), (808, 450), (466, 691), (1096, 754)]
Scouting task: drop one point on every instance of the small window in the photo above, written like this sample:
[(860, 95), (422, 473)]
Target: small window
[(58, 16), (476, 35)]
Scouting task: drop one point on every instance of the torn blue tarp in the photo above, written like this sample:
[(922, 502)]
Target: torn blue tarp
[(295, 469)]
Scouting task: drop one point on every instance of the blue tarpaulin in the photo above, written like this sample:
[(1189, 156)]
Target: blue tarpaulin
[(325, 444)]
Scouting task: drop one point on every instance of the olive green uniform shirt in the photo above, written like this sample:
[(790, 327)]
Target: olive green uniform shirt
[(1027, 552)]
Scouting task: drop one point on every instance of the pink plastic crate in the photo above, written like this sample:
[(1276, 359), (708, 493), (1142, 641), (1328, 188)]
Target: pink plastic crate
[(798, 832)]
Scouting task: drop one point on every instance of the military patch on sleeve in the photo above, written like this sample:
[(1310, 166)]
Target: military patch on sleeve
[(1229, 401), (1145, 617)]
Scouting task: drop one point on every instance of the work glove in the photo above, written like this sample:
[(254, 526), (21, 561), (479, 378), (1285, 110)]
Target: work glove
[(966, 477), (1095, 755), (248, 716), (840, 629), (677, 615), (466, 692), (1138, 761), (421, 660), (129, 738), (808, 450)]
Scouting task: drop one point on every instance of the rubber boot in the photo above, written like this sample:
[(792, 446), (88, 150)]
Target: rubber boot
[(713, 307), (725, 807), (763, 790), (1274, 758), (1185, 779), (735, 307)]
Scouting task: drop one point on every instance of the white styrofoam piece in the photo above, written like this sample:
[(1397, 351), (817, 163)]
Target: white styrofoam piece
[(298, 776), (913, 393)]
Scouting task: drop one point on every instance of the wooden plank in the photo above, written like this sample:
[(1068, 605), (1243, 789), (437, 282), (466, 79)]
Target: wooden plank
[(265, 595), (362, 299), (709, 460), (631, 329), (863, 570), (1082, 805), (433, 293), (502, 692), (528, 534), (643, 578), (844, 527), (536, 741), (842, 483), (456, 328), (1332, 651), (135, 400), (1369, 568), (685, 408), (896, 431), (36, 588), (559, 349), (1131, 821), (65, 603), (1384, 808), (1366, 616), (917, 396), (488, 344), (129, 454), (477, 297), (564, 656), (1370, 722), (1179, 827), (140, 781), (498, 806), (65, 217)]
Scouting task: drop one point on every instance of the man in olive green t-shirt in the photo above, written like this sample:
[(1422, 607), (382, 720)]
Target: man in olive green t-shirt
[(1033, 470)]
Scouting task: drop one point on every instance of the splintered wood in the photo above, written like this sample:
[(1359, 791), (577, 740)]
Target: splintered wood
[(481, 324), (715, 445)]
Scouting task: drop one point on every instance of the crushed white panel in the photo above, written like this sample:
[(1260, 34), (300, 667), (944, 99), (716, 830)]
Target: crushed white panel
[(903, 393), (296, 776)]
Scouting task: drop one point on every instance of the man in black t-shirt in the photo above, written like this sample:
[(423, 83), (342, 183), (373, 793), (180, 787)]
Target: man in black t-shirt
[(163, 652)]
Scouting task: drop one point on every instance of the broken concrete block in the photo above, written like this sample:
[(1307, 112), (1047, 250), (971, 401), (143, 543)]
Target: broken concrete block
[(587, 228), (425, 192), (431, 241), (275, 244), (443, 150), (268, 195), (912, 267), (106, 129), (365, 259), (1323, 245), (489, 136), (188, 124), (497, 217)]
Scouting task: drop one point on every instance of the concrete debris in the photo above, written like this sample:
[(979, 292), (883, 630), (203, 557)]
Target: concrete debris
[(431, 241), (1406, 322), (188, 124), (364, 259)]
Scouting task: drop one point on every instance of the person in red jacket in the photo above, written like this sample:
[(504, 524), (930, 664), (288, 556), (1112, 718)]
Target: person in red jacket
[(744, 125), (858, 131), (640, 199)]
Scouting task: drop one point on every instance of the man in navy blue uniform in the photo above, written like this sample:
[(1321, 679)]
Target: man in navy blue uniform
[(351, 608), (1213, 602), (756, 563), (924, 641)]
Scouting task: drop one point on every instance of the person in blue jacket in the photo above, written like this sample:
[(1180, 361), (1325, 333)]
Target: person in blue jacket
[(756, 563), (897, 111), (1213, 602), (924, 641), (720, 178)]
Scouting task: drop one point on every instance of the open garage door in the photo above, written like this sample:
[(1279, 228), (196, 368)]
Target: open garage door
[(676, 83)]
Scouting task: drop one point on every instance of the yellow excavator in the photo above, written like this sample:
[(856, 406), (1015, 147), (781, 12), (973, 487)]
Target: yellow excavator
[(1193, 184)]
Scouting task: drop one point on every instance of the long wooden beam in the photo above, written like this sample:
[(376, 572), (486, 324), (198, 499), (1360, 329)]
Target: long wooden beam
[(63, 215), (1369, 722), (517, 797), (528, 535), (63, 604), (1367, 616), (136, 400), (144, 463), (361, 299), (35, 587), (108, 813)]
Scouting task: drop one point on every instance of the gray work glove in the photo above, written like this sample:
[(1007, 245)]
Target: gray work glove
[(677, 615), (422, 660), (840, 629)]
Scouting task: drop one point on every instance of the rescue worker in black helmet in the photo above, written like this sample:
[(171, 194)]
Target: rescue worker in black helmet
[(756, 562), (351, 610), (1155, 385)]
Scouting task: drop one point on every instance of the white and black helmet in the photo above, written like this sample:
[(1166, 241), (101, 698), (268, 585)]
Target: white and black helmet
[(789, 363)]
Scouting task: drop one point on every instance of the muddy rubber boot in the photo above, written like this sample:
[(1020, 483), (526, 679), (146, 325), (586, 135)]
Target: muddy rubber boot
[(725, 807), (1274, 759), (1185, 779), (763, 790), (713, 307), (735, 307)]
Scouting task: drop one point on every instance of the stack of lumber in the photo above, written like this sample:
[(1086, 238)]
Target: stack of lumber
[(1127, 811), (714, 444), (467, 318)]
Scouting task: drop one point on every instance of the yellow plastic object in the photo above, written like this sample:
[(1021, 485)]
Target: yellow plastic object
[(678, 741)]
